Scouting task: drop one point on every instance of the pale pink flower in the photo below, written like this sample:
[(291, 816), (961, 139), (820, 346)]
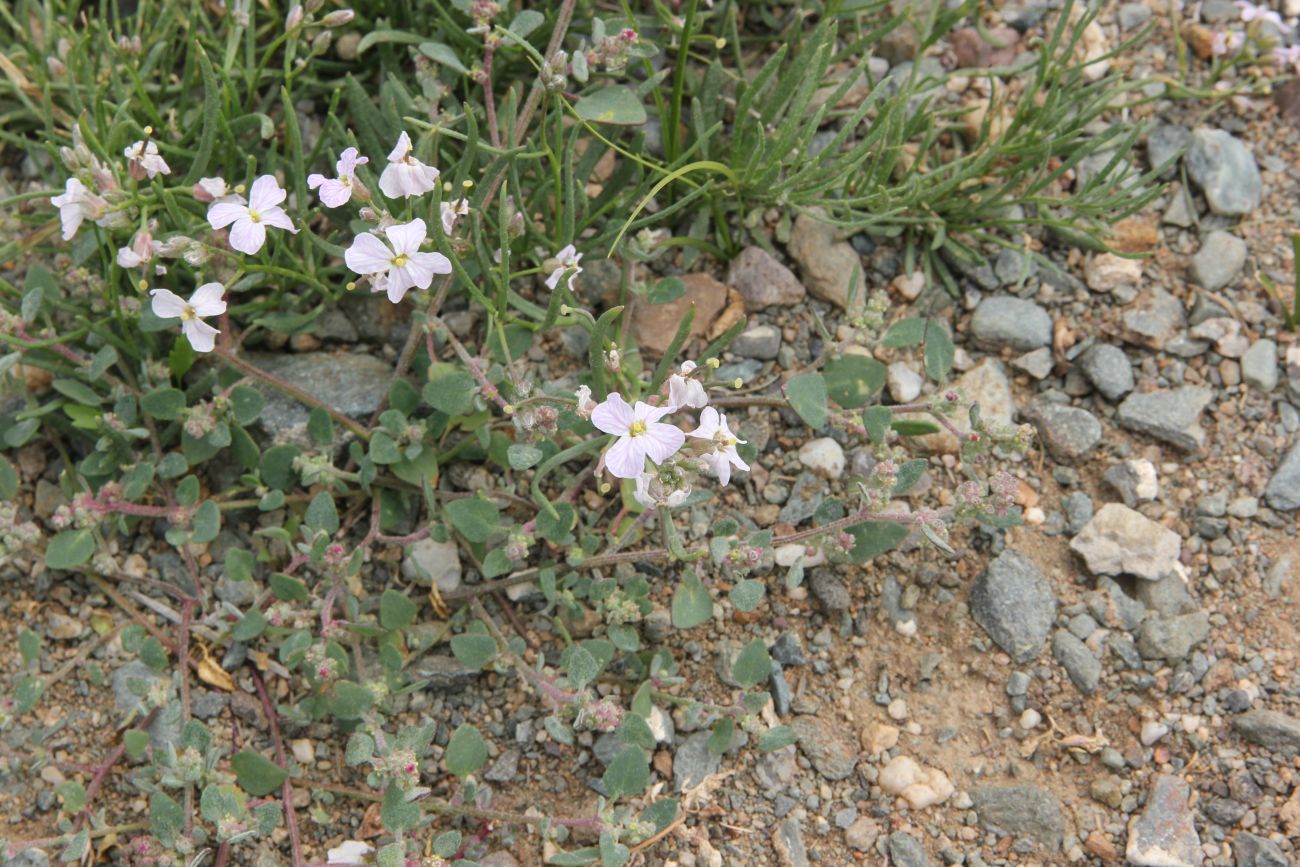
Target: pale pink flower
[(713, 426), (565, 260), (350, 852), (206, 301), (144, 161), (585, 404), (396, 270), (337, 191), (138, 253), (76, 205), (1288, 56), (250, 221), (405, 176), (451, 212), (1251, 12), (683, 390), (651, 494), (640, 434), (212, 190)]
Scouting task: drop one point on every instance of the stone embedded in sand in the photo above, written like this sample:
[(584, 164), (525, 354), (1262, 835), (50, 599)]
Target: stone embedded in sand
[(1120, 541), (921, 787)]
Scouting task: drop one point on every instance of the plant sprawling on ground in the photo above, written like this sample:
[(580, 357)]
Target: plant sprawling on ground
[(216, 177)]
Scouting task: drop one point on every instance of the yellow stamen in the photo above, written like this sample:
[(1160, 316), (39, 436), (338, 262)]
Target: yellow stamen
[(400, 259), (638, 428), (187, 313), (254, 216)]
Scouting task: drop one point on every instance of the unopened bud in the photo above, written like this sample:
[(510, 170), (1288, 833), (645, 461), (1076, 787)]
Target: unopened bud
[(294, 18), (321, 43), (508, 408), (338, 18)]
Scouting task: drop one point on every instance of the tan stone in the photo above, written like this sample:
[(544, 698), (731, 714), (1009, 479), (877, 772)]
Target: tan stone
[(655, 325)]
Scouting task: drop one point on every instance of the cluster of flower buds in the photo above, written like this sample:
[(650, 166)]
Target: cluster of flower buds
[(872, 316), (14, 534), (619, 607), (603, 715), (399, 766)]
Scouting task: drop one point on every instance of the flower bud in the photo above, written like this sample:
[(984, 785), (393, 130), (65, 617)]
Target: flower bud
[(294, 18), (321, 43), (338, 18)]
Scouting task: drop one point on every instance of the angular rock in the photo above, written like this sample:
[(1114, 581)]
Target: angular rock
[(830, 749), (1226, 172), (1078, 661), (1024, 811), (824, 456), (1283, 490), (427, 563), (1165, 144), (1270, 729), (1167, 597), (1170, 416), (692, 761), (762, 281), (655, 325), (762, 342), (1172, 638), (1254, 851), (1106, 272), (1068, 431), (830, 266), (1135, 481), (1010, 321), (1014, 604), (1259, 366), (921, 787), (1119, 541), (1164, 835), (1219, 260), (906, 851), (1154, 320), (351, 383), (1116, 608), (787, 842), (1109, 370)]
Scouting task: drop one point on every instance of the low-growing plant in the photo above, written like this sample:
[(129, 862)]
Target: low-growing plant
[(189, 214)]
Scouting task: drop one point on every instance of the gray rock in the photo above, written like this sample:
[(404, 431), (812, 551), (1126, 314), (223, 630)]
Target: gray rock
[(1219, 260), (1113, 607), (1108, 369), (1164, 835), (762, 342), (1225, 170), (237, 593), (427, 563), (446, 673), (788, 650), (830, 266), (1155, 320), (1068, 431), (130, 683), (206, 704), (1170, 416), (832, 750), (907, 851), (724, 661), (1017, 683), (350, 383), (828, 588), (1283, 490), (1272, 730), (1078, 510), (504, 769), (1024, 811), (787, 840), (1134, 480), (1013, 322), (1038, 363), (782, 694), (804, 499), (1172, 638), (762, 281), (1074, 656), (1167, 597), (1119, 540), (1014, 604), (1013, 267), (1131, 17), (692, 761), (1254, 851), (1259, 366)]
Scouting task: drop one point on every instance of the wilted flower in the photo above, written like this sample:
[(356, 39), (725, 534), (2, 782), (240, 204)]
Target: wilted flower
[(640, 434), (451, 212), (396, 270), (652, 493), (211, 190), (683, 390), (206, 301), (250, 221), (565, 260), (138, 253), (337, 191), (349, 852), (76, 205), (713, 426), (144, 161), (404, 175), (585, 404)]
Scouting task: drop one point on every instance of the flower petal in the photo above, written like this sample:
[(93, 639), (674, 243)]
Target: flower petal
[(403, 148), (390, 181), (315, 180), (266, 193), (406, 237), (708, 424), (613, 416), (247, 236), (348, 162), (651, 414), (207, 300), (368, 255), (432, 263), (400, 280), (275, 216), (625, 459), (222, 214), (661, 441), (166, 304), (335, 194), (200, 334)]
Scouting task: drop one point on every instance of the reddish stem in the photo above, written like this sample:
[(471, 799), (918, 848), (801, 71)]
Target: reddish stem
[(286, 791)]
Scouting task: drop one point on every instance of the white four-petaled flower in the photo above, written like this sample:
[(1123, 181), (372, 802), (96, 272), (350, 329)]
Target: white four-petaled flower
[(76, 205), (144, 161), (404, 175), (397, 269), (565, 260), (349, 852), (640, 434), (336, 191), (713, 426), (206, 301), (248, 233), (685, 391)]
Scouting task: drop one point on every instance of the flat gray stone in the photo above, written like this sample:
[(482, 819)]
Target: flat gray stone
[(1109, 370), (1078, 661), (1255, 851), (1069, 432), (1226, 172), (1164, 834), (1121, 541), (1013, 322), (1014, 604), (1219, 260), (1165, 144), (1155, 320), (692, 761), (907, 851), (1283, 490), (350, 383), (1172, 638), (762, 342), (1171, 416), (832, 750), (1023, 811), (1272, 730), (1259, 366)]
